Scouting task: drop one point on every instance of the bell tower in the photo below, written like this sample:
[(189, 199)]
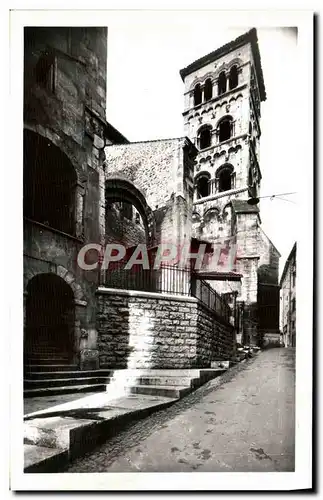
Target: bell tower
[(222, 97)]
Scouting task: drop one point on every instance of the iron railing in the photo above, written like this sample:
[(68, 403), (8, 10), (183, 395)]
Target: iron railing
[(210, 298), (167, 279)]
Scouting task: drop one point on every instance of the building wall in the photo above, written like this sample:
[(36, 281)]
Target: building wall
[(163, 172), (223, 215), (65, 103), (138, 330), (288, 303)]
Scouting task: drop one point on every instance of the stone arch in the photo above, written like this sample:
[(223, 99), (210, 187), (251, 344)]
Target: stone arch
[(49, 134), (225, 177), (202, 184), (211, 213), (120, 189)]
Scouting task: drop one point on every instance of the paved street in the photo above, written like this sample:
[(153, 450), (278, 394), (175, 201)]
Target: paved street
[(245, 422)]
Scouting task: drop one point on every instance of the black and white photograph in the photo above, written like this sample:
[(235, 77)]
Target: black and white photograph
[(164, 296)]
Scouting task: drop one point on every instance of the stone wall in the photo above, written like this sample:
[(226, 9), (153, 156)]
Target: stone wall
[(151, 330), (64, 112)]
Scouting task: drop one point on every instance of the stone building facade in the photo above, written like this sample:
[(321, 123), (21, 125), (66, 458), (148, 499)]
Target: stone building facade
[(65, 132), (222, 116), (84, 183), (288, 300)]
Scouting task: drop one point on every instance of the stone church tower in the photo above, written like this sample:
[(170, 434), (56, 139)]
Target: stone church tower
[(222, 115)]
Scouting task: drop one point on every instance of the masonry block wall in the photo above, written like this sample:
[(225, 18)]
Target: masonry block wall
[(161, 171), (138, 330)]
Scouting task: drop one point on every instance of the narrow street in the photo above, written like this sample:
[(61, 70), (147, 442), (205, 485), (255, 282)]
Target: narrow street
[(244, 424)]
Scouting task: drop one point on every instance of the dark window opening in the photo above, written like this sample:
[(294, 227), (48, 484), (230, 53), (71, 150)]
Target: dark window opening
[(49, 184), (205, 138), (45, 72), (293, 305), (208, 90), (222, 83), (294, 278), (250, 179), (197, 94), (233, 77), (202, 186), (126, 210), (250, 128), (225, 180), (225, 130)]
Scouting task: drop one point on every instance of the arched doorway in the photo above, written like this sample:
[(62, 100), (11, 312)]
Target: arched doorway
[(50, 319)]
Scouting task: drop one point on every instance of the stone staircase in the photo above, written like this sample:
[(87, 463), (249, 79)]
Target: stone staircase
[(45, 380)]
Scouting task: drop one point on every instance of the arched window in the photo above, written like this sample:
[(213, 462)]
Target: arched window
[(203, 185), (208, 90), (44, 71), (225, 129), (233, 77), (224, 175), (197, 94), (204, 137), (222, 83), (49, 184)]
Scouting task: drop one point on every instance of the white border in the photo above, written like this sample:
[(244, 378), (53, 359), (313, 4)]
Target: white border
[(175, 481)]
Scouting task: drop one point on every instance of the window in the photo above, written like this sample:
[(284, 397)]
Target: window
[(208, 90), (126, 210), (45, 71), (250, 178), (224, 175), (222, 83), (293, 305), (204, 137), (137, 218), (233, 77), (203, 185), (197, 94), (294, 278), (225, 129)]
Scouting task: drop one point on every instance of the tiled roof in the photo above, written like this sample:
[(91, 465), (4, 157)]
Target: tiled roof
[(242, 206)]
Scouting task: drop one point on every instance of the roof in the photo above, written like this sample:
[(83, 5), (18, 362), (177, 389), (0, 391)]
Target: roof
[(243, 207), (271, 243), (115, 135), (291, 256), (219, 276), (248, 37)]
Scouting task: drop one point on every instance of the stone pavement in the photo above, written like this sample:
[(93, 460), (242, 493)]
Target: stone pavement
[(244, 424), (32, 405)]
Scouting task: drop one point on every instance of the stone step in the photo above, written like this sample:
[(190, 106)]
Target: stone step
[(49, 367), (48, 391), (63, 382), (160, 390), (44, 459), (66, 374)]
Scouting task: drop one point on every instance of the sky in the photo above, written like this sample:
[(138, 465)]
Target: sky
[(145, 97)]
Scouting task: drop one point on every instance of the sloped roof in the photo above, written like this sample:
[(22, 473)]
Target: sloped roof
[(243, 207), (248, 37), (289, 259)]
